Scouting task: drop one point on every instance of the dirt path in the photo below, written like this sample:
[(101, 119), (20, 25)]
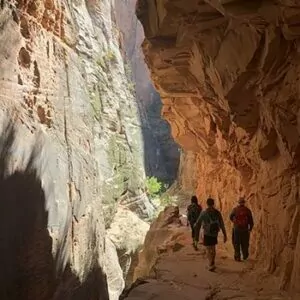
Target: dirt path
[(181, 275)]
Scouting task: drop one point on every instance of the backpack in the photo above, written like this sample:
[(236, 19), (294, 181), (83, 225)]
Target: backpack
[(241, 217), (193, 213), (213, 222)]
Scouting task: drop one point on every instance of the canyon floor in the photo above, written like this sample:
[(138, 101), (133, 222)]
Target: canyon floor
[(181, 274)]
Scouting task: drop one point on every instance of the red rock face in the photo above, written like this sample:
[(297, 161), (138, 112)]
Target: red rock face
[(228, 73), (49, 13)]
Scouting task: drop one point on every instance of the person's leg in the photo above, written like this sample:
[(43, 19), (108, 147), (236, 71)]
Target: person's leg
[(245, 236), (210, 243), (207, 244), (237, 244), (194, 236), (213, 255), (193, 232), (210, 256)]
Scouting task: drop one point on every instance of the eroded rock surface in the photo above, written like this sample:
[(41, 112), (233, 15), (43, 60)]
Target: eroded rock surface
[(64, 86), (228, 74), (171, 268), (161, 155), (159, 239)]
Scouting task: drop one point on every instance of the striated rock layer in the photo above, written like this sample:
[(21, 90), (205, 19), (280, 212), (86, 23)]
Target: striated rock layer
[(76, 124), (161, 155), (228, 74)]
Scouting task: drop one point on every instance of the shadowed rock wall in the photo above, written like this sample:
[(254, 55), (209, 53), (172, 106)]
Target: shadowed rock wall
[(64, 85)]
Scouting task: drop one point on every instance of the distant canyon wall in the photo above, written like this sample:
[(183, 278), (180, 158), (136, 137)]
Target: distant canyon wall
[(161, 152)]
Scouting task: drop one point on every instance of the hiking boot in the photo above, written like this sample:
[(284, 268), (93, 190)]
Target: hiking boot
[(211, 268), (195, 245), (237, 259), (245, 257)]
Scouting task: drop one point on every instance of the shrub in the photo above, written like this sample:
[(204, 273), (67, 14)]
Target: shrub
[(153, 186), (131, 87), (111, 56), (108, 58), (166, 200)]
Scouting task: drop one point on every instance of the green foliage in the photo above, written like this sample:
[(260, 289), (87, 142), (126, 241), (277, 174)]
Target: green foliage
[(153, 186), (128, 70), (100, 62), (166, 200), (96, 108), (108, 58), (158, 194), (131, 87)]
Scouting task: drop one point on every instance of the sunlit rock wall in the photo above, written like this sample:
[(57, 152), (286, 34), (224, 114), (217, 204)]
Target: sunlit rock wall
[(228, 74)]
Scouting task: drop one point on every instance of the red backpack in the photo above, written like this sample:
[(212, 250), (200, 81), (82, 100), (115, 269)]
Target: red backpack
[(241, 217)]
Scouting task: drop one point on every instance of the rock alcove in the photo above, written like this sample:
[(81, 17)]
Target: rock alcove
[(228, 75)]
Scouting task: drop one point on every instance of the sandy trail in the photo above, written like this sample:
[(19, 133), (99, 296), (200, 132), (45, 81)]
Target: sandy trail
[(182, 275)]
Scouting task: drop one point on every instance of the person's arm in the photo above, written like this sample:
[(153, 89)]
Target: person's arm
[(198, 223), (200, 208), (251, 223), (222, 226)]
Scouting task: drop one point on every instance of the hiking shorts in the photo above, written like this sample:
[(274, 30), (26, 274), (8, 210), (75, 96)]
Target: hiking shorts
[(210, 240)]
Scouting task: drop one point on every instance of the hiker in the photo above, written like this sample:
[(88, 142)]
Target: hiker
[(212, 222), (193, 213), (242, 219)]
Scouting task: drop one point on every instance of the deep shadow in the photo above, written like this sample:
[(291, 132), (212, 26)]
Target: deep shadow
[(93, 288), (28, 269), (134, 285), (161, 153)]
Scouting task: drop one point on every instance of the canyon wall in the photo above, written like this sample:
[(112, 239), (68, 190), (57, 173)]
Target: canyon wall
[(72, 158), (161, 155), (228, 74)]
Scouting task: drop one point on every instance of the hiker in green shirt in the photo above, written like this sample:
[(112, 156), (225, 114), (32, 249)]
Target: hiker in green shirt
[(212, 222)]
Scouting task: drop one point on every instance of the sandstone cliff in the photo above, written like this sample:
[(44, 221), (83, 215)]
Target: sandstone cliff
[(161, 155), (77, 136), (228, 75)]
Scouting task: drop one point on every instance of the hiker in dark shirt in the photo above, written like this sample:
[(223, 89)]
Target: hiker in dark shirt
[(193, 213), (242, 220), (212, 222)]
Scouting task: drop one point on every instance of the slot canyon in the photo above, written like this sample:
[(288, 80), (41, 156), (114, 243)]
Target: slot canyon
[(98, 96)]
